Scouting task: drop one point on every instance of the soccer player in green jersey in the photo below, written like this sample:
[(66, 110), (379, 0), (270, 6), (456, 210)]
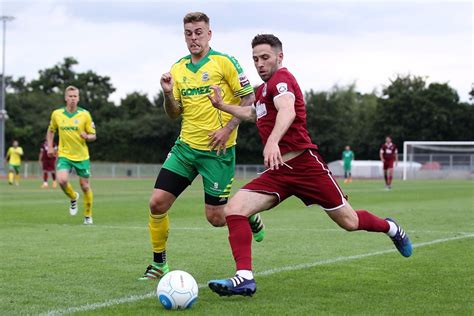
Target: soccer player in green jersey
[(75, 128), (206, 144), (13, 157), (347, 157)]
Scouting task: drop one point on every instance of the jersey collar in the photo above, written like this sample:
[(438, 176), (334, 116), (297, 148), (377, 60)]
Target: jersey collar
[(195, 67)]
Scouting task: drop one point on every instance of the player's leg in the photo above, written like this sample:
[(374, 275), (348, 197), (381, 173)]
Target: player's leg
[(218, 175), (241, 206), (389, 177), (45, 177), (83, 170), (64, 166), (351, 220), (53, 176), (11, 174), (168, 186), (17, 174)]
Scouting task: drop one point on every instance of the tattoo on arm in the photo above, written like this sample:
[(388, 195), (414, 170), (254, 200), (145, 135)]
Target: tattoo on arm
[(171, 106)]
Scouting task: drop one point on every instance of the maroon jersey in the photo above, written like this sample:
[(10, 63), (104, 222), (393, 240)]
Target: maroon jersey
[(297, 137), (389, 151), (44, 150)]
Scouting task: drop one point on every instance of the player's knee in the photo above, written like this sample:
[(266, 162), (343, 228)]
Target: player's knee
[(349, 224), (158, 206), (216, 220)]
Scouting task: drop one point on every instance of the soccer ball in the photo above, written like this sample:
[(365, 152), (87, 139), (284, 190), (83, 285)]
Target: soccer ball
[(177, 290)]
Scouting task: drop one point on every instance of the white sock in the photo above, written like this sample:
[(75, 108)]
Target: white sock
[(246, 274), (393, 229)]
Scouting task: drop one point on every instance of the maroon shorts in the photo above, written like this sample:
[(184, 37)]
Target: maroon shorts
[(49, 165), (306, 177), (388, 164)]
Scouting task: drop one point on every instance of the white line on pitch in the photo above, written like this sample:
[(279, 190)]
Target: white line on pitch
[(134, 298)]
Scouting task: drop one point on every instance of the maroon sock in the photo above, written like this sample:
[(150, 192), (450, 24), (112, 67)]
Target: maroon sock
[(240, 238), (371, 223), (45, 176), (385, 177), (53, 175), (390, 180)]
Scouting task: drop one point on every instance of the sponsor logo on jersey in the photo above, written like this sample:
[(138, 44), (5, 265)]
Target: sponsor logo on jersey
[(205, 76), (243, 80), (260, 109), (282, 87), (195, 91), (69, 128), (185, 79), (76, 122)]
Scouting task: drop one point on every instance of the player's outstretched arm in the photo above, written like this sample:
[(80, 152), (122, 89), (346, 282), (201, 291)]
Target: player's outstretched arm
[(245, 111)]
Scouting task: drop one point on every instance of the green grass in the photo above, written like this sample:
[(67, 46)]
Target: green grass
[(50, 262)]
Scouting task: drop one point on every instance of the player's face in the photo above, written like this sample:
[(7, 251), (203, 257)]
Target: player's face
[(266, 60), (197, 36), (72, 97), (388, 140), (15, 144)]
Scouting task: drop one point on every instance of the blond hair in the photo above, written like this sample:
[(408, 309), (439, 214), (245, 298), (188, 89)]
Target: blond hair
[(70, 88)]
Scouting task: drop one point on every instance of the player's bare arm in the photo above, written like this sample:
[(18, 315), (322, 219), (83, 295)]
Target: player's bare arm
[(218, 138), (245, 111), (381, 155), (89, 137), (49, 140), (172, 107), (285, 105)]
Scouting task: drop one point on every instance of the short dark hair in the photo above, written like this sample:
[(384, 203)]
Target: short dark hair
[(196, 17), (269, 39)]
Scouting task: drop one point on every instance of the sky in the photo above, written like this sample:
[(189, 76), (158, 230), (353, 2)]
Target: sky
[(325, 43)]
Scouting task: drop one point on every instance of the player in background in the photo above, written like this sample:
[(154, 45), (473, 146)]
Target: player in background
[(48, 164), (75, 128), (389, 157), (294, 167), (13, 157), (206, 144), (347, 157)]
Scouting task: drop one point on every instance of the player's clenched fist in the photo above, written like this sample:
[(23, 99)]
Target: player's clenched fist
[(166, 82)]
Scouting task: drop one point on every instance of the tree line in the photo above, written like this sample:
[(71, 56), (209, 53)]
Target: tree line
[(138, 130)]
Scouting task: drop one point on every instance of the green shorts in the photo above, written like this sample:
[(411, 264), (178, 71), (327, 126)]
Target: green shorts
[(16, 168), (347, 166), (83, 167), (217, 171)]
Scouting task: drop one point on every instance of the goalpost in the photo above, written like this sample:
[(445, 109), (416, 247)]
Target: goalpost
[(438, 159)]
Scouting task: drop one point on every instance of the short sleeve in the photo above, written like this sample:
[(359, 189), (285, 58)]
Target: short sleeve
[(90, 126), (53, 126), (234, 75), (280, 85)]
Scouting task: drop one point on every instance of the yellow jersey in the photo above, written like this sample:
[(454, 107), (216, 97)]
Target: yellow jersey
[(192, 85), (14, 155), (70, 126)]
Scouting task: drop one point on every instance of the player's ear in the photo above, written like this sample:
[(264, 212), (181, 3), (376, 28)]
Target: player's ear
[(280, 57)]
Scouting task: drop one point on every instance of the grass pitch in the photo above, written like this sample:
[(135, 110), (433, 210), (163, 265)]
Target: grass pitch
[(53, 264)]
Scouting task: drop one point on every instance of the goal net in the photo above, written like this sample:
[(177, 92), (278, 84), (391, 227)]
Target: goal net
[(438, 160)]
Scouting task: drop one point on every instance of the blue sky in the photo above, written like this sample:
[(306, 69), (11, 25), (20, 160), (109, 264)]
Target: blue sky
[(325, 43)]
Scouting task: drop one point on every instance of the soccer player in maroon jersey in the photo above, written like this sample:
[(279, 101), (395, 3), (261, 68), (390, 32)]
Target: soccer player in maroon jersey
[(294, 167), (48, 164), (389, 158)]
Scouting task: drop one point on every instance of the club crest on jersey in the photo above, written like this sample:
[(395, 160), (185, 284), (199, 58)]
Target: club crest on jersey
[(243, 80), (185, 79), (76, 121), (282, 87), (205, 76), (264, 92)]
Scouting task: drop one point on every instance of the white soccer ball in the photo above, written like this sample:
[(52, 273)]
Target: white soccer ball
[(177, 290)]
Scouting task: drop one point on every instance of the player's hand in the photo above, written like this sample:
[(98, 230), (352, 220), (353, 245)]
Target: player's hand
[(166, 82), (218, 140), (84, 135), (216, 97), (272, 156)]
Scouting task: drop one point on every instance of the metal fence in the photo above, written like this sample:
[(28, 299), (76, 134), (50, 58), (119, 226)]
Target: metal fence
[(32, 169)]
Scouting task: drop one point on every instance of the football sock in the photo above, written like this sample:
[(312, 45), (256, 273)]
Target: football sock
[(240, 238), (246, 274), (371, 223), (393, 229), (53, 176), (88, 199), (158, 225), (10, 177), (385, 177), (159, 257), (389, 180), (45, 176), (69, 190), (17, 178)]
